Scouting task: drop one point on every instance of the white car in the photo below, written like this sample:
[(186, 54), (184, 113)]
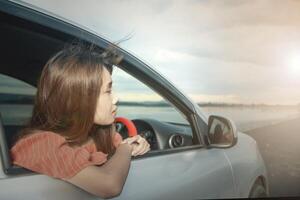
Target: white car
[(191, 157)]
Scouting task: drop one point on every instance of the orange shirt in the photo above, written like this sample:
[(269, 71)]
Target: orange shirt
[(47, 153)]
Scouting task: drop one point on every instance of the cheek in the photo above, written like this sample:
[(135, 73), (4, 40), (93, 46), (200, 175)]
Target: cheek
[(103, 110), (106, 103)]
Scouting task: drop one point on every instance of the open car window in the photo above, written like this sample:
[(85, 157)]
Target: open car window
[(136, 100), (156, 119)]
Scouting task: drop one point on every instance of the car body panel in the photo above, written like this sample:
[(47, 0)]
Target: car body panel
[(217, 177), (246, 171), (172, 176), (180, 175)]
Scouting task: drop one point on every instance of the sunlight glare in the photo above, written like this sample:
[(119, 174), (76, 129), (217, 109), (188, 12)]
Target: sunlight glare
[(295, 64)]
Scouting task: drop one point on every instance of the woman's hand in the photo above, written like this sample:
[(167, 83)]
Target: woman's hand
[(139, 145)]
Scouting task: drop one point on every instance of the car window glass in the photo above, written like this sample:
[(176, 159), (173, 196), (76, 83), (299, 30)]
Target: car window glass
[(16, 100)]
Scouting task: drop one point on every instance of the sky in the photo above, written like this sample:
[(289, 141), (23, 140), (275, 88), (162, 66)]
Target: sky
[(229, 51)]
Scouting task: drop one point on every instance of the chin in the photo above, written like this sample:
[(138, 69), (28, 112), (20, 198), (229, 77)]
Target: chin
[(105, 123)]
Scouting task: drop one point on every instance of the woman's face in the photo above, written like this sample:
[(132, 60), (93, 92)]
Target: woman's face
[(106, 103)]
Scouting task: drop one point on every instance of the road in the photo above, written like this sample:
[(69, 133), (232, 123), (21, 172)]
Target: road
[(280, 148)]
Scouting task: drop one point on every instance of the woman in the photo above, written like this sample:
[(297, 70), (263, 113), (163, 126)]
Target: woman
[(71, 135)]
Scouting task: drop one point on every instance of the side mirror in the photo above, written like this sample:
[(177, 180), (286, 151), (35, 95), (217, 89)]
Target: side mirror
[(221, 131)]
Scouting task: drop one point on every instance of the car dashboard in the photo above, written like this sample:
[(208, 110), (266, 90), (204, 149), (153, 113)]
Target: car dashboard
[(161, 135)]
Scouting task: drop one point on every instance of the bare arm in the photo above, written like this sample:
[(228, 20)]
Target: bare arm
[(106, 181)]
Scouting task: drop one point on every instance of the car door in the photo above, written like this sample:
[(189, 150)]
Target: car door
[(188, 172), (192, 174)]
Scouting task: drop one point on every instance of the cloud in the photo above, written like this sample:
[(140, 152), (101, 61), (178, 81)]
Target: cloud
[(268, 47), (204, 98), (238, 50), (138, 97), (164, 55)]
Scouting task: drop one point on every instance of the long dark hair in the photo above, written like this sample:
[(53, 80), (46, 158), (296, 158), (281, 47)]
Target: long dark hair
[(67, 94)]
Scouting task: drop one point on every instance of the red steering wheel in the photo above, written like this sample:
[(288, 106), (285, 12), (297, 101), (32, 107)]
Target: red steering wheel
[(128, 124)]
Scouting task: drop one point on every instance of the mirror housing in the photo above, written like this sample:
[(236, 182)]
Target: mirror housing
[(222, 132)]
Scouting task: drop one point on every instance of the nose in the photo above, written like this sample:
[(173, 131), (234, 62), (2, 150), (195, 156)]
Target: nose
[(115, 98)]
